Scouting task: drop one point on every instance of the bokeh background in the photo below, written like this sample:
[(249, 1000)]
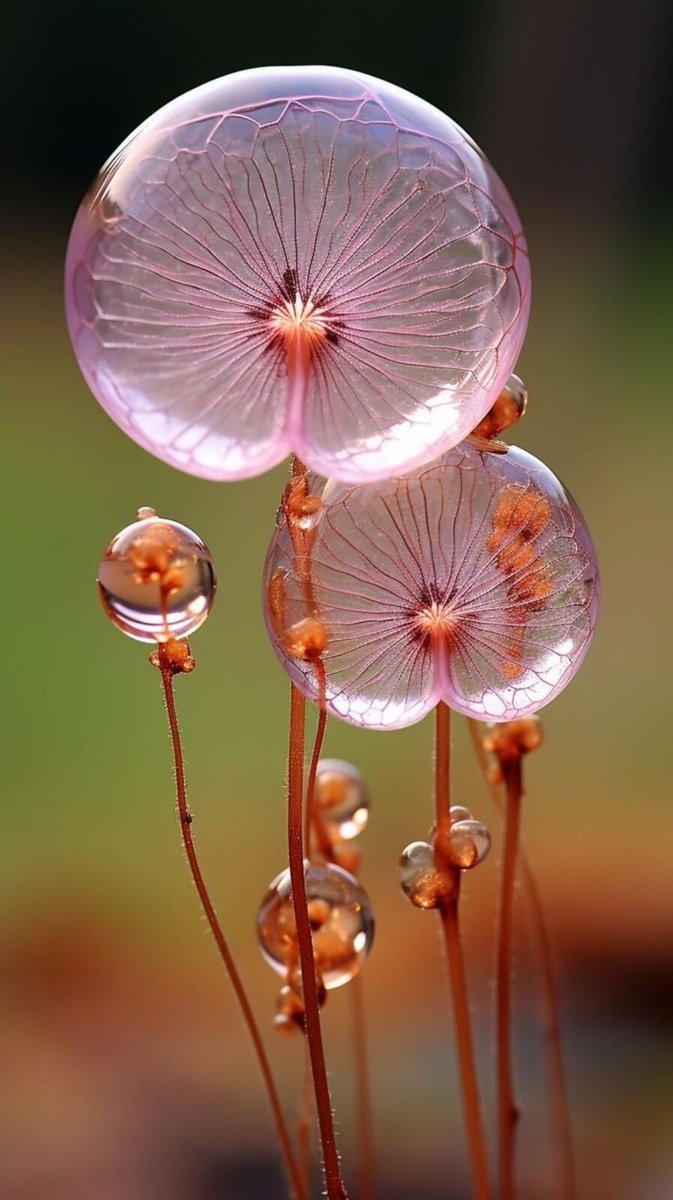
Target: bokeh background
[(126, 1070)]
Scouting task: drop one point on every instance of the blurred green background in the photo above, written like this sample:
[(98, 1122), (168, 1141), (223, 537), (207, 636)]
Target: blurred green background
[(127, 1072)]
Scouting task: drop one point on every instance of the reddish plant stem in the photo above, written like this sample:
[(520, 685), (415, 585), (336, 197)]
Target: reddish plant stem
[(552, 1033), (363, 1096), (315, 757), (218, 935), (456, 964), (508, 1113), (443, 773), (563, 1136), (333, 1181)]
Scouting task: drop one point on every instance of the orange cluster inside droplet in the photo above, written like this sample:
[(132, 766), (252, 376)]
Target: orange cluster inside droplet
[(521, 514)]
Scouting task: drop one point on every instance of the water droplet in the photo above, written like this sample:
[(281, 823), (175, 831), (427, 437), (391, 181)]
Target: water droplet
[(341, 799), (460, 813), (469, 843), (425, 884), (341, 918), (157, 580)]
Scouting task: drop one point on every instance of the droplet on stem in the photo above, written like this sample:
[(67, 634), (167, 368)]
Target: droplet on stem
[(425, 883), (341, 918), (341, 799), (157, 580), (469, 844)]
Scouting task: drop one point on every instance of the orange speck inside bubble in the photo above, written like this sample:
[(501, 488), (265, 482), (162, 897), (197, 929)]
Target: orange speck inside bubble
[(520, 515), (306, 639), (153, 558)]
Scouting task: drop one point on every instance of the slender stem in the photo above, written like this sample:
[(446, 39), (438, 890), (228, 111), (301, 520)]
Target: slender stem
[(508, 1113), (363, 1096), (333, 1181), (220, 940), (563, 1136), (465, 1050), (552, 1033), (443, 772), (456, 964), (315, 756)]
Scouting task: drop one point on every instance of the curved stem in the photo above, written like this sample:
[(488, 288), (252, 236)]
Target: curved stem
[(456, 964), (508, 1113), (563, 1136), (333, 1181), (220, 940), (363, 1097)]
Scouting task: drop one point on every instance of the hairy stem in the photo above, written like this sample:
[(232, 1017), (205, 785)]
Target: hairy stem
[(222, 945), (333, 1181), (563, 1137), (456, 964), (508, 1113)]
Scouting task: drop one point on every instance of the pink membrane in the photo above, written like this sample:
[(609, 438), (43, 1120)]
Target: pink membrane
[(313, 186), (473, 581)]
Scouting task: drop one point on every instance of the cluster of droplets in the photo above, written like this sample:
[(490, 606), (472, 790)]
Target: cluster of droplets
[(339, 910), (429, 870)]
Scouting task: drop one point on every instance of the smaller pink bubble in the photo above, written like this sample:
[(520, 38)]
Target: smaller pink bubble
[(472, 581)]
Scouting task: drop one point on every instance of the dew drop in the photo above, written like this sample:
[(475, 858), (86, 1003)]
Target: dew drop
[(342, 925), (422, 881), (156, 580), (341, 799), (469, 843)]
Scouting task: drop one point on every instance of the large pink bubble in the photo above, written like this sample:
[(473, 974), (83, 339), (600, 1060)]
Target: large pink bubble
[(297, 259)]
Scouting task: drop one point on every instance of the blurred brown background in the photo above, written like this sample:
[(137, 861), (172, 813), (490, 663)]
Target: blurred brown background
[(127, 1073)]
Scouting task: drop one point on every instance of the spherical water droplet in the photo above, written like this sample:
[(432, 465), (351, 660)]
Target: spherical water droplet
[(341, 918), (469, 843), (460, 813), (340, 798), (426, 884), (157, 580)]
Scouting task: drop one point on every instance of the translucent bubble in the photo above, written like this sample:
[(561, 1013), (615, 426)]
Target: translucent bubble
[(290, 1010), (297, 259), (341, 919), (469, 843), (473, 581), (426, 885), (341, 798), (460, 813), (157, 580)]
